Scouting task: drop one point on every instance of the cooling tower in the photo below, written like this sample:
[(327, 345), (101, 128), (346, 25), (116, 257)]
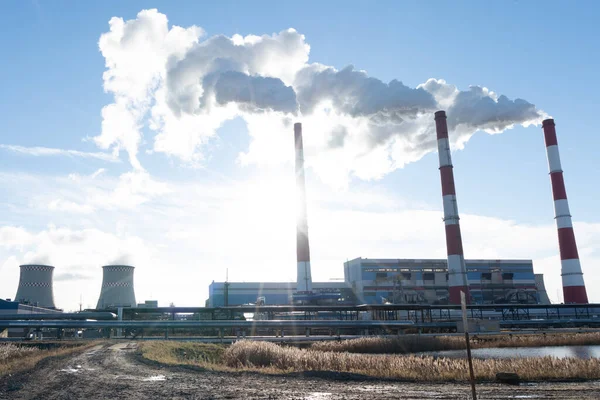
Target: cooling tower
[(35, 285), (117, 287), (572, 275), (541, 289), (304, 279), (457, 272)]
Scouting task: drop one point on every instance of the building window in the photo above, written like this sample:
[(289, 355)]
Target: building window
[(428, 276), (507, 275), (406, 275), (381, 275), (486, 276)]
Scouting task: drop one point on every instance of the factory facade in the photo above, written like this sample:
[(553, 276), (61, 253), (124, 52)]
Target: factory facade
[(274, 293), (401, 281), (375, 281)]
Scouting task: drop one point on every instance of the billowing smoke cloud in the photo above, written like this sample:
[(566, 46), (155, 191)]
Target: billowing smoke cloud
[(121, 259), (71, 276), (184, 88)]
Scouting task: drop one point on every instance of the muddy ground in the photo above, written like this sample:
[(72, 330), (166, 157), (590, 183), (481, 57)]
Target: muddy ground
[(114, 371)]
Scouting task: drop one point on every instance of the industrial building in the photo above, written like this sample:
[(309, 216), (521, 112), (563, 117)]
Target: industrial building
[(15, 309), (376, 281), (401, 281), (271, 293)]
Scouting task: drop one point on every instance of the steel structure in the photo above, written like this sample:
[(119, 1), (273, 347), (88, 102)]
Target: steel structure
[(413, 312), (57, 316), (35, 285), (117, 287), (572, 276), (457, 273)]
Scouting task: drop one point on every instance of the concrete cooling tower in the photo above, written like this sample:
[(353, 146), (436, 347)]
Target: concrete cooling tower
[(541, 289), (117, 287), (35, 285)]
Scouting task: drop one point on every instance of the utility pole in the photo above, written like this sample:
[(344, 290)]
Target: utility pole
[(80, 302), (226, 288)]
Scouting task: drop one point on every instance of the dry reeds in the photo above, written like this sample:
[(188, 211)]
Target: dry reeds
[(270, 356), (14, 358), (183, 353), (415, 343), (10, 351), (395, 345)]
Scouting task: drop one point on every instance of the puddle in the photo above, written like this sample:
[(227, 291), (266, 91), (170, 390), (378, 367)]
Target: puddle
[(156, 378), (396, 389), (318, 395), (71, 370)]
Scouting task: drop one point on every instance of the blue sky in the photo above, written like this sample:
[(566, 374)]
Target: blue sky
[(543, 52)]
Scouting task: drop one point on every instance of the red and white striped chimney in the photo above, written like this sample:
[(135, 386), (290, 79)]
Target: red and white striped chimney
[(572, 276), (457, 273), (304, 278)]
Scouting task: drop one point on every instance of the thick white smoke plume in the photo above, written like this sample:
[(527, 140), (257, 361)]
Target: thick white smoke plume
[(183, 87)]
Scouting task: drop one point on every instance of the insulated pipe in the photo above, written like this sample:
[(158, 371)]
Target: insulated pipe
[(572, 276), (457, 273), (304, 278)]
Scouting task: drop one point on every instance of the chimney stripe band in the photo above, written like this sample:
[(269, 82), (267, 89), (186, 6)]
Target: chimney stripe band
[(447, 180)]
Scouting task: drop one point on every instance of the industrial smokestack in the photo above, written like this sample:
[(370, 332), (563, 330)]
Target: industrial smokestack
[(304, 278), (457, 273), (117, 287), (572, 276), (35, 285)]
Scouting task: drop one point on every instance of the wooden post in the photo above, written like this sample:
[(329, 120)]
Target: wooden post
[(463, 304)]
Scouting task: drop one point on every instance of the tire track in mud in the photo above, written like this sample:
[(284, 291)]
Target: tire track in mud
[(112, 371)]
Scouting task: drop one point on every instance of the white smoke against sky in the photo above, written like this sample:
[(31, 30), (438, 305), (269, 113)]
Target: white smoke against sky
[(184, 86)]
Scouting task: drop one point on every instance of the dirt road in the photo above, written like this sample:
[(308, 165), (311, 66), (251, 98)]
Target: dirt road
[(113, 371)]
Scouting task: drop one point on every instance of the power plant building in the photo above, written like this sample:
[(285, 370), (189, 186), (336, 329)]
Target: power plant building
[(274, 293), (375, 281), (400, 281)]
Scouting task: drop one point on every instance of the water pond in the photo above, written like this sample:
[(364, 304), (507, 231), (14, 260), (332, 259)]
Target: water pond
[(522, 352)]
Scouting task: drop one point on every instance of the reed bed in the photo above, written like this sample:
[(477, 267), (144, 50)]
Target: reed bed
[(15, 358), (396, 345), (274, 358), (10, 351), (415, 343), (183, 353)]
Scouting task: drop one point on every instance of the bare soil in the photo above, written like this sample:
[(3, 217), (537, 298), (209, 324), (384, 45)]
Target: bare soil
[(115, 371)]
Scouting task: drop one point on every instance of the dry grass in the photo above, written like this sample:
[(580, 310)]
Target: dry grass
[(15, 358), (415, 344), (10, 351), (554, 339), (183, 353), (272, 357), (396, 345)]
